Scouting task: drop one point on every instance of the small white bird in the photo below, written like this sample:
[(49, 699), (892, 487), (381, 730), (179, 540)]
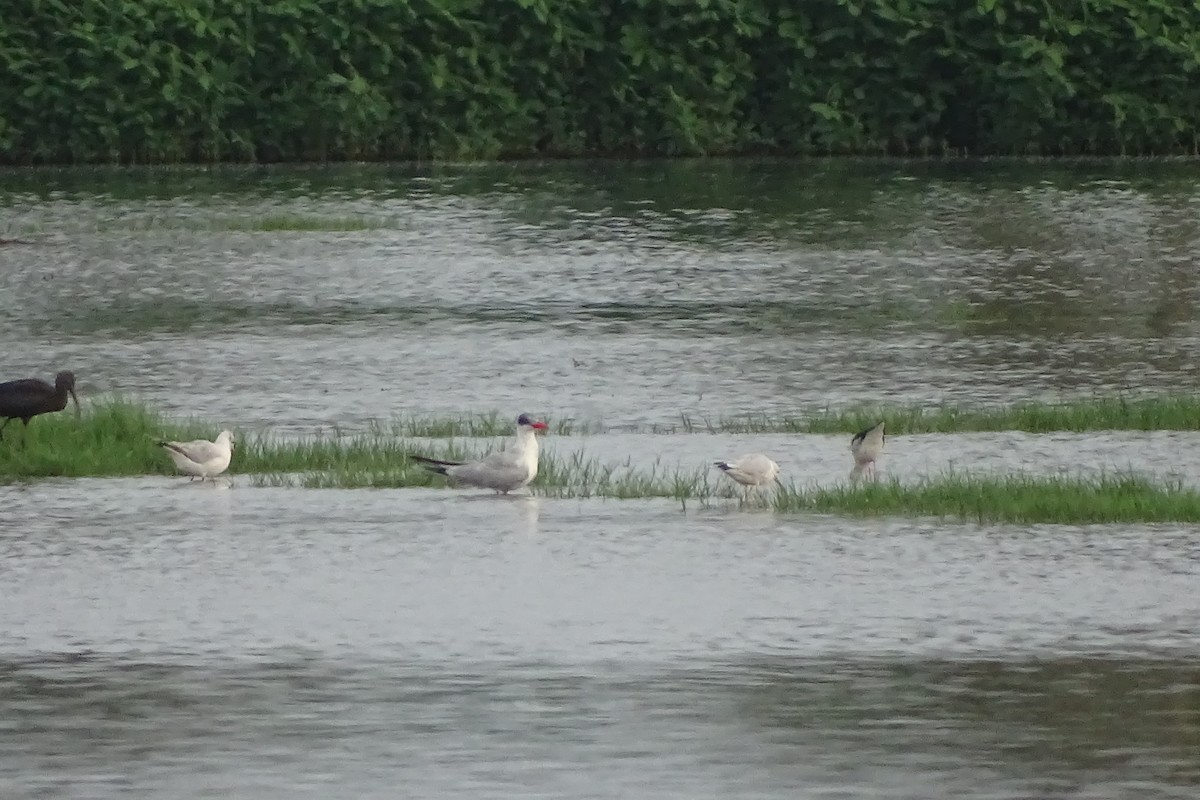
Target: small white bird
[(752, 470), (509, 469), (201, 458), (867, 447)]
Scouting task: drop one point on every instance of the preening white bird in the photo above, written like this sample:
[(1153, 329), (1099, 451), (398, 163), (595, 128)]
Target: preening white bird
[(867, 447), (509, 469), (201, 458), (752, 470)]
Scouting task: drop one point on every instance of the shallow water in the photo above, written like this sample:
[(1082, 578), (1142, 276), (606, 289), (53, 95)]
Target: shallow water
[(167, 639), (189, 640)]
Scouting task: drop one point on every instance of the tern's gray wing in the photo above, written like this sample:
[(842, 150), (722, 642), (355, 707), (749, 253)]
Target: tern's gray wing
[(499, 471), (501, 459)]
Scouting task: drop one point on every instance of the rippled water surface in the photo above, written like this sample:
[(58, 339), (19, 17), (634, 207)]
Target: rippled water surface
[(166, 639), (629, 293)]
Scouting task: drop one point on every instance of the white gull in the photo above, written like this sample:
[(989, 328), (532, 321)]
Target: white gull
[(201, 458)]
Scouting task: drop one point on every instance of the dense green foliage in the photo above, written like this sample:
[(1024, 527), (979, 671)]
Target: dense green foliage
[(233, 80)]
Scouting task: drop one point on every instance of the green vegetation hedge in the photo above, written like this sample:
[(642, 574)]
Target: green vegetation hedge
[(266, 80)]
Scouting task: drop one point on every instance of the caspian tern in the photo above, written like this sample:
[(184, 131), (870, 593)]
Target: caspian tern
[(509, 469), (867, 447), (202, 459), (751, 470)]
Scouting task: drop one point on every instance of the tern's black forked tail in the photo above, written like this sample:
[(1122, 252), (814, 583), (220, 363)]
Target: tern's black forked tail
[(434, 464)]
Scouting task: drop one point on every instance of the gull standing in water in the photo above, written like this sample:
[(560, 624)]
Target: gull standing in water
[(201, 458), (752, 471), (509, 469), (867, 447)]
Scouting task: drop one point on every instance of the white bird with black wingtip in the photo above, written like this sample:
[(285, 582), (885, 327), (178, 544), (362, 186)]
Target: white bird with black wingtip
[(753, 471), (201, 458), (867, 447)]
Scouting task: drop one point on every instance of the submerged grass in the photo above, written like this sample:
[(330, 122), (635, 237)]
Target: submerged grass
[(1008, 498), (296, 222), (252, 222), (986, 499), (469, 426), (579, 475), (1155, 412)]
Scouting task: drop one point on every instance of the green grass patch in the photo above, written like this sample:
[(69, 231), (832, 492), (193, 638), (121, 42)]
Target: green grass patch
[(579, 475), (117, 437), (358, 462), (110, 438), (1009, 498)]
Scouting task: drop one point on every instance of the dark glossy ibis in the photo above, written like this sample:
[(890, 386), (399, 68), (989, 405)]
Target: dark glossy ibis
[(28, 397)]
